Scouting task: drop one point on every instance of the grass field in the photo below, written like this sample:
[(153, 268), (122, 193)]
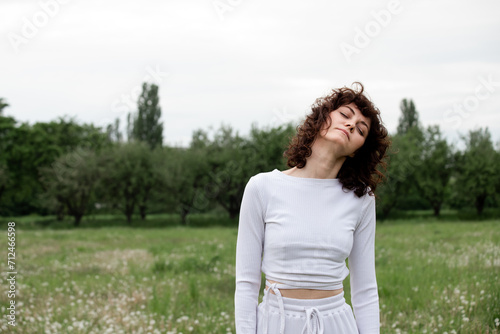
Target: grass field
[(433, 277)]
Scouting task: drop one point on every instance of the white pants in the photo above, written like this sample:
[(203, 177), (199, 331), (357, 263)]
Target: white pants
[(282, 315)]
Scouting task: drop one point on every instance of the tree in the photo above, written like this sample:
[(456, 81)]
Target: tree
[(7, 127), (404, 160), (477, 170), (150, 178), (437, 166), (199, 139), (146, 125), (113, 132), (497, 173), (233, 160), (225, 157), (126, 177), (4, 179), (184, 176), (22, 161), (26, 148), (71, 181), (266, 147), (3, 105), (408, 118)]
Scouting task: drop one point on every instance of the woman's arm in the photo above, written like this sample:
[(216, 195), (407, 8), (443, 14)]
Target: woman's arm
[(364, 292), (249, 248)]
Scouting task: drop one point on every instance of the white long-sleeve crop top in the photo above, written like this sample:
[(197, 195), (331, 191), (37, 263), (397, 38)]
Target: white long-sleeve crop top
[(299, 232)]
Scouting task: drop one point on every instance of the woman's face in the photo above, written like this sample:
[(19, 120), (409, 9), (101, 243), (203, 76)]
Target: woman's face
[(349, 128)]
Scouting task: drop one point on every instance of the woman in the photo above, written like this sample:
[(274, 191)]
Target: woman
[(298, 226)]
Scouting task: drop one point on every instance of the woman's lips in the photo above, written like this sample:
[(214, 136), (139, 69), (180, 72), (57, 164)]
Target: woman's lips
[(345, 132)]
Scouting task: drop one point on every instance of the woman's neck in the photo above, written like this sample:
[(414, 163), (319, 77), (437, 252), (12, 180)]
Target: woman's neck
[(324, 162)]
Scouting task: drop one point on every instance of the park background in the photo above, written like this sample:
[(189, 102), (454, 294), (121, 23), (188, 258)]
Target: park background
[(125, 181)]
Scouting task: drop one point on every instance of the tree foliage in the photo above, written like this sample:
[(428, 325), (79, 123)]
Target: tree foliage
[(7, 127), (128, 177), (477, 169), (409, 117), (4, 179), (71, 182), (437, 166), (3, 105), (404, 160), (184, 175), (40, 171), (113, 132), (146, 124), (225, 157), (26, 148), (266, 147)]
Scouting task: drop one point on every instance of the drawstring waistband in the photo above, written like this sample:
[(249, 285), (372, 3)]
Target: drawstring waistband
[(311, 307), (314, 322), (282, 308)]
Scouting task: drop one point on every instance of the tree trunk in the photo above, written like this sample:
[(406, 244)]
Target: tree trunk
[(184, 213), (437, 209), (78, 218), (129, 210), (60, 212), (385, 211), (234, 207), (480, 203), (2, 188), (233, 213), (142, 209), (143, 204), (60, 215)]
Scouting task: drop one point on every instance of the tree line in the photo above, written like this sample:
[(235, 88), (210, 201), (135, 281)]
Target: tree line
[(70, 169)]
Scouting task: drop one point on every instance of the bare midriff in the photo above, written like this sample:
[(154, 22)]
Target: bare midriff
[(306, 293)]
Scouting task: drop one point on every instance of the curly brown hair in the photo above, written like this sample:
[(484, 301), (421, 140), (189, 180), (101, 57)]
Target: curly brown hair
[(360, 173)]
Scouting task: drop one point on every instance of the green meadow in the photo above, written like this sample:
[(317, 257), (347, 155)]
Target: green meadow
[(433, 277)]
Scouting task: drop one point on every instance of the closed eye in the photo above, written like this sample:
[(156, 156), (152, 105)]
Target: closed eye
[(343, 114), (361, 131)]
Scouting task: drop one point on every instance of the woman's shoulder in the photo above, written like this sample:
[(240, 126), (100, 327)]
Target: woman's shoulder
[(362, 202), (261, 179), (259, 186), (368, 197)]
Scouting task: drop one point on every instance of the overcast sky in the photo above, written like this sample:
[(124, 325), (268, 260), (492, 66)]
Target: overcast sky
[(239, 62)]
